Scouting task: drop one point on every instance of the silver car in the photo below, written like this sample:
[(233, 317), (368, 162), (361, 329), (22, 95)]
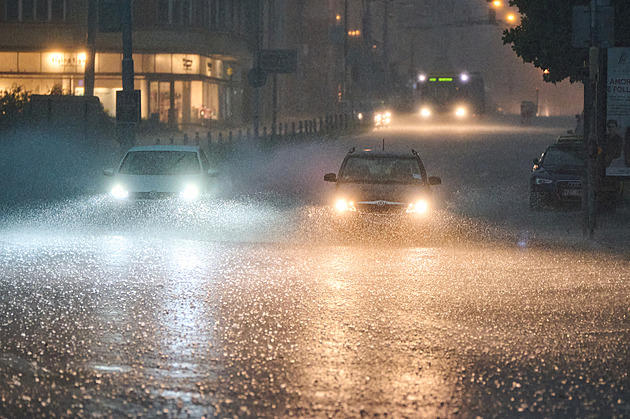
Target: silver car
[(162, 171)]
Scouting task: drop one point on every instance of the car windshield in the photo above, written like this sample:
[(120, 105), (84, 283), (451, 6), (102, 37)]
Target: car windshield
[(381, 169), (160, 163), (563, 157)]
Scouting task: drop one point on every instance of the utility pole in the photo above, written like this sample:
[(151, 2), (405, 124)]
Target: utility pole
[(344, 79), (385, 45), (592, 144), (92, 20), (127, 105), (256, 5)]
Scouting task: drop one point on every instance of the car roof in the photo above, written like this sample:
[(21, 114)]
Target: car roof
[(173, 147), (384, 154), (570, 139)]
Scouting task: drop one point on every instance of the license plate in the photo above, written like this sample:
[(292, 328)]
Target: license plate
[(572, 192)]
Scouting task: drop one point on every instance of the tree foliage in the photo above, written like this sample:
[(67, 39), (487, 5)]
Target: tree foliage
[(543, 37), (12, 103)]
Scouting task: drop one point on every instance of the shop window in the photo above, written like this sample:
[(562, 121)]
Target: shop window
[(108, 63), (8, 62)]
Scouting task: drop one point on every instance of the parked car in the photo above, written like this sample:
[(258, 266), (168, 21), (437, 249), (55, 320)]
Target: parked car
[(557, 178), (160, 172), (382, 184)]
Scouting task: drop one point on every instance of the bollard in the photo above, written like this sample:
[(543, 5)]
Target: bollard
[(157, 141), (220, 138), (197, 139), (209, 139), (301, 128), (230, 137), (286, 129), (185, 139)]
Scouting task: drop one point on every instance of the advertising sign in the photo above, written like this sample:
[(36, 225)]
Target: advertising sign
[(278, 60), (618, 113)]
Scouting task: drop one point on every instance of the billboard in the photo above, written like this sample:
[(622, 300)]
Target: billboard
[(617, 150)]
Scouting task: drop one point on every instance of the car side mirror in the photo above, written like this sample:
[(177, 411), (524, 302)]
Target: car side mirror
[(435, 180), (212, 173), (108, 172), (330, 177)]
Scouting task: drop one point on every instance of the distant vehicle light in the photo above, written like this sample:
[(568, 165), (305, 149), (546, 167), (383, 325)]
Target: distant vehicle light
[(464, 77), (378, 117), (119, 192), (342, 205), (461, 111), (360, 116), (189, 193), (422, 77), (425, 112)]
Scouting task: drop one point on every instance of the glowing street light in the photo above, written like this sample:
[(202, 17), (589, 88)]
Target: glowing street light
[(496, 3), (511, 17)]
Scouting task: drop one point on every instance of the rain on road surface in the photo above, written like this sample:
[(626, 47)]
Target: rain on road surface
[(253, 305)]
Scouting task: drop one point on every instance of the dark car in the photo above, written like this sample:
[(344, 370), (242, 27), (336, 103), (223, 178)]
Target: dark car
[(378, 183), (557, 178)]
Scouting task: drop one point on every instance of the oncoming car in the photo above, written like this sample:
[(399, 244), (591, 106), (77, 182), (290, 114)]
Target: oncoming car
[(161, 172), (382, 184), (382, 118)]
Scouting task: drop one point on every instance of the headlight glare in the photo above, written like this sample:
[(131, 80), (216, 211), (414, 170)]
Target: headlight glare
[(343, 205), (461, 111), (425, 112), (119, 192), (419, 207), (189, 192)]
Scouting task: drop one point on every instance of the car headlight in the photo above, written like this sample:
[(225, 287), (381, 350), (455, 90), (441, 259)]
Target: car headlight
[(419, 207), (461, 111), (119, 192), (425, 112), (343, 205), (378, 117), (189, 192), (542, 181)]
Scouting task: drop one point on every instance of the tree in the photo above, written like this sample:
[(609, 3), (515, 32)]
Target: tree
[(11, 104), (543, 37)]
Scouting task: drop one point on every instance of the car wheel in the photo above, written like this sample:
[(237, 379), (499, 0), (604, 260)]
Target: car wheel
[(536, 201)]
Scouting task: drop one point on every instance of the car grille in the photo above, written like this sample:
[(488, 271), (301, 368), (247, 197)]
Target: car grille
[(151, 195), (569, 189), (381, 207)]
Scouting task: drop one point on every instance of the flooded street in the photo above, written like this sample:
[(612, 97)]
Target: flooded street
[(256, 305)]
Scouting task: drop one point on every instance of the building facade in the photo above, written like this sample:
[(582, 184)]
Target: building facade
[(190, 56)]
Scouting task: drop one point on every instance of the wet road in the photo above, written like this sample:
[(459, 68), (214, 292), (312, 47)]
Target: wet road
[(254, 306)]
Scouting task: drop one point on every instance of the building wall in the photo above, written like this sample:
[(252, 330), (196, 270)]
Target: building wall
[(195, 54)]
